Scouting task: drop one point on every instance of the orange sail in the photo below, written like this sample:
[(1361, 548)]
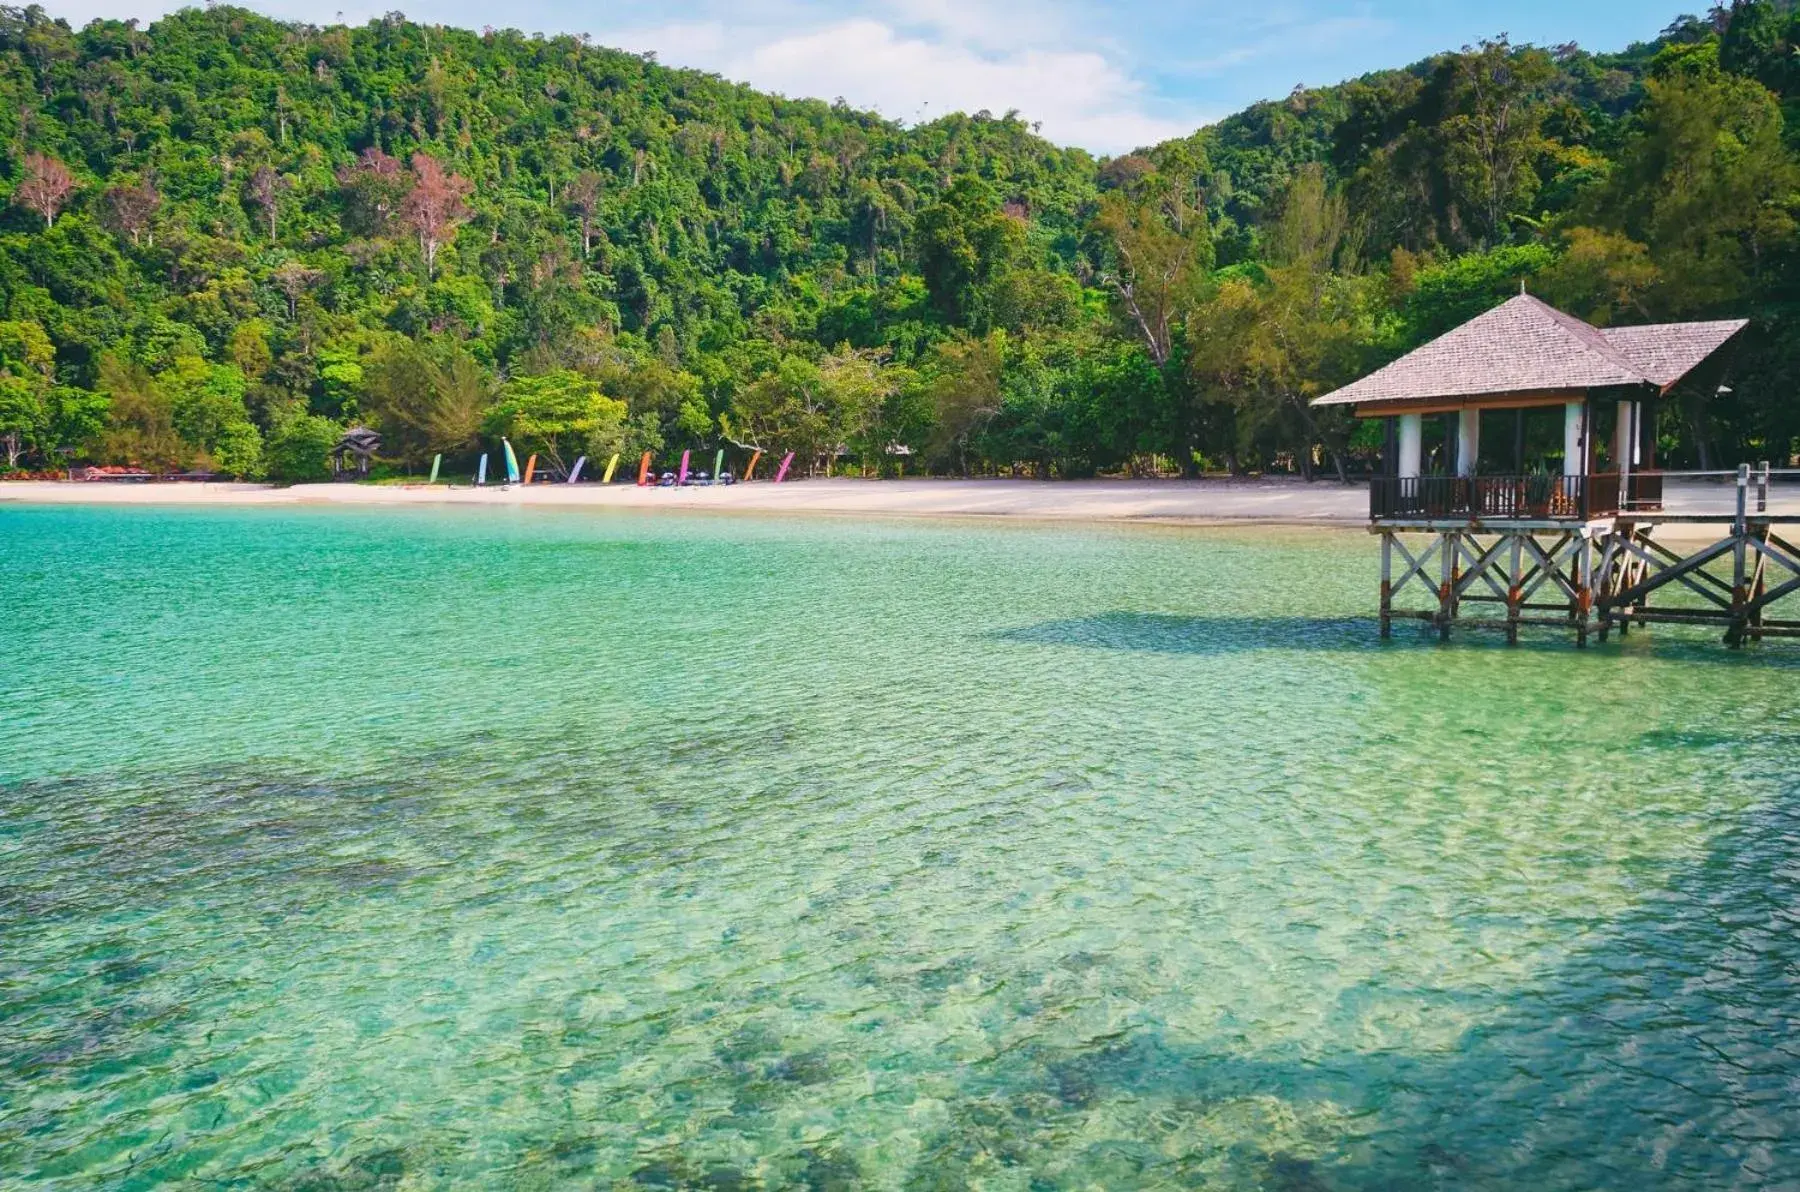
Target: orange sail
[(644, 471), (750, 472), (530, 467)]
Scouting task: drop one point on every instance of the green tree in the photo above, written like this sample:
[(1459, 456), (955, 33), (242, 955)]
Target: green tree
[(966, 243), (558, 413), (299, 446), (1707, 185)]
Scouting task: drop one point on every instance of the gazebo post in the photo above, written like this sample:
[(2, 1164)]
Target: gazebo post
[(1412, 445), (1574, 461), (1468, 441)]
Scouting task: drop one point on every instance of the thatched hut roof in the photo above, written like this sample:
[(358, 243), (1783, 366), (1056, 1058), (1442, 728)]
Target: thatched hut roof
[(1527, 347), (360, 440)]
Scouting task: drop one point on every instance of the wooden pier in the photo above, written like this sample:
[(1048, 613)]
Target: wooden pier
[(1593, 575), (1571, 541)]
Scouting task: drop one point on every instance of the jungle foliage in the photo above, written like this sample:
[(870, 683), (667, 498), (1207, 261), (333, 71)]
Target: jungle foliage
[(226, 237)]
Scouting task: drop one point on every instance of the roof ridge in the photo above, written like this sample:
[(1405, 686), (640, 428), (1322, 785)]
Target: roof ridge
[(1590, 337)]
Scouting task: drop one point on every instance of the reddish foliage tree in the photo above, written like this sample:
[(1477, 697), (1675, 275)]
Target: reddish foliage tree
[(373, 188), (434, 207), (131, 207), (45, 187), (266, 187)]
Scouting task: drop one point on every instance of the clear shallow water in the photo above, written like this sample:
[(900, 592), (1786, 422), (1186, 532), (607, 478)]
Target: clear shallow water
[(477, 848)]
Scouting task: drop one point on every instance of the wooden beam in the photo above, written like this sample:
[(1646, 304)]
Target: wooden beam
[(1480, 401)]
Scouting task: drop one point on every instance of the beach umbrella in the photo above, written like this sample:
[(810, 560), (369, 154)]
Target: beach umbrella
[(682, 478), (512, 462), (435, 461), (575, 472), (610, 465), (786, 463), (481, 472)]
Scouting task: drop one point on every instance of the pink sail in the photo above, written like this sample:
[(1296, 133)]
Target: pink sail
[(682, 477), (786, 463)]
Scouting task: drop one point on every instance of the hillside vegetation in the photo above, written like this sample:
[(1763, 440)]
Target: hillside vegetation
[(226, 237)]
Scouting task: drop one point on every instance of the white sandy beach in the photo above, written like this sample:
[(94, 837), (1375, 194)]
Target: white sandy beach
[(1213, 501), (1182, 502)]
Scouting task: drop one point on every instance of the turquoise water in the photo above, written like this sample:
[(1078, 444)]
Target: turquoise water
[(521, 849)]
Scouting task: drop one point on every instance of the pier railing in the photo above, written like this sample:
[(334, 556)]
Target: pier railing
[(1747, 491), (1509, 498)]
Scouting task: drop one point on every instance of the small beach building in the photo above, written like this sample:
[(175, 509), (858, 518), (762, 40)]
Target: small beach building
[(1525, 359), (354, 453)]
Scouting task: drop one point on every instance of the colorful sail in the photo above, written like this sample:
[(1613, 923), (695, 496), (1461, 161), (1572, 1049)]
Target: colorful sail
[(512, 462), (786, 463), (644, 471), (435, 461), (575, 472), (610, 465), (750, 471), (718, 464), (481, 472), (682, 477), (530, 467)]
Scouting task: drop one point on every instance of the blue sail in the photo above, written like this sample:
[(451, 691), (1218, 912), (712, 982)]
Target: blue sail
[(481, 472), (512, 462)]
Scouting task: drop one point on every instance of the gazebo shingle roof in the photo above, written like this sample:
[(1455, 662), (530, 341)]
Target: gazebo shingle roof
[(1527, 346)]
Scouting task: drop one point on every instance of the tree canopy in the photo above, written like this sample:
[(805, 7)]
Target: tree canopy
[(226, 235)]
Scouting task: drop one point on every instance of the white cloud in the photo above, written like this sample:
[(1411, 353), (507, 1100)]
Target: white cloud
[(911, 60), (966, 61)]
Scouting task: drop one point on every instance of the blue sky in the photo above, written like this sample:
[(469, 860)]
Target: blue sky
[(1103, 76)]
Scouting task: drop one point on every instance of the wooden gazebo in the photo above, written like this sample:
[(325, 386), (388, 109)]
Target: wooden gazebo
[(1521, 355), (351, 458), (1573, 546)]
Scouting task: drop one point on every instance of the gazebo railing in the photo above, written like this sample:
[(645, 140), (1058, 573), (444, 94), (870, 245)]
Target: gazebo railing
[(1511, 498)]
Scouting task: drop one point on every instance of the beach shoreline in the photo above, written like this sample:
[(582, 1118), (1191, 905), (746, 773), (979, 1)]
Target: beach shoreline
[(1171, 502), (1212, 502)]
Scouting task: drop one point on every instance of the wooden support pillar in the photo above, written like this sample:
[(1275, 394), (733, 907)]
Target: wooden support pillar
[(1740, 550), (1584, 587), (1515, 585), (1447, 586), (1387, 583)]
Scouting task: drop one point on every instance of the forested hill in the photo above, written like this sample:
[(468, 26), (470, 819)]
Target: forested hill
[(227, 237)]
